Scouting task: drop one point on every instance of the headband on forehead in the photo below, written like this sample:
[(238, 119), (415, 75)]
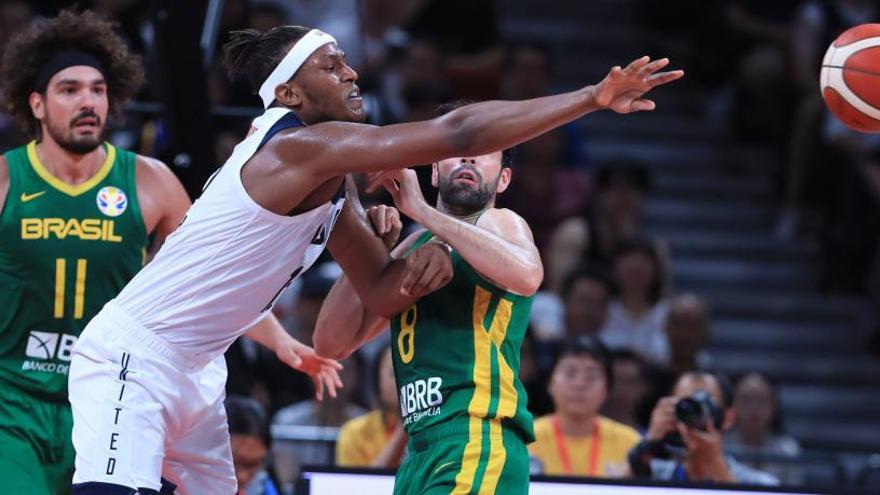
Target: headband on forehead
[(298, 54), (63, 60)]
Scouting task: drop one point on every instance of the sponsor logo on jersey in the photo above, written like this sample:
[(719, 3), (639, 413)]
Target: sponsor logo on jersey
[(45, 347), (87, 229), (112, 201), (25, 197), (420, 399)]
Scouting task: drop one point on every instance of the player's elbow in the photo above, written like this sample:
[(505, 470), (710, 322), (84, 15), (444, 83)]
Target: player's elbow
[(458, 128), (327, 347), (530, 281)]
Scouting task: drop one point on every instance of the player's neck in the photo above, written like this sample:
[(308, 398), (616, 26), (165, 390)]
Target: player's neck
[(579, 426), (71, 168), (470, 217)]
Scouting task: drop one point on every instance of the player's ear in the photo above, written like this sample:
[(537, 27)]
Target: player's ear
[(435, 175), (38, 105), (289, 95), (503, 180)]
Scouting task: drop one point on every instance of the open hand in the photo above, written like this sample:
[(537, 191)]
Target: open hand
[(623, 88), (386, 223), (323, 372)]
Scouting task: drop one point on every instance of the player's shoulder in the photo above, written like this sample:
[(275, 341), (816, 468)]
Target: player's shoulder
[(504, 223), (152, 172)]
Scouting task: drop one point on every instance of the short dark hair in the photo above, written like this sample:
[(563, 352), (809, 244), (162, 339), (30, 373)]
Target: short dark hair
[(586, 345), (255, 54), (631, 355), (247, 417), (590, 272), (85, 31), (507, 156), (724, 384), (646, 246)]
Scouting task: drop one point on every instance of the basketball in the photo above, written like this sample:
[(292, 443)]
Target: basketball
[(850, 78)]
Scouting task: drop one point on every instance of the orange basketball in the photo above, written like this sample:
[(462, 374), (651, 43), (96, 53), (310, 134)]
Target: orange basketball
[(850, 78)]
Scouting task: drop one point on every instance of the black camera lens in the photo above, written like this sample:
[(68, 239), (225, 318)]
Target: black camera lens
[(692, 413)]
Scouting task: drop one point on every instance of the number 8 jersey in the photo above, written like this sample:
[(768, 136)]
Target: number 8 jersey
[(64, 251), (456, 355)]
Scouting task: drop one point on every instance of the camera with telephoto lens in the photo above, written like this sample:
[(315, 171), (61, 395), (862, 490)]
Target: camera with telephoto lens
[(696, 412)]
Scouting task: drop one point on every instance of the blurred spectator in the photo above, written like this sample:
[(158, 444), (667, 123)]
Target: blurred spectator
[(546, 193), (376, 439), (312, 448), (759, 34), (528, 71), (586, 295), (264, 16), (637, 315), (250, 441), (817, 24), (467, 32), (621, 189), (759, 431), (673, 450), (629, 390), (688, 330), (298, 308), (580, 309), (535, 360), (15, 16), (420, 64), (575, 440)]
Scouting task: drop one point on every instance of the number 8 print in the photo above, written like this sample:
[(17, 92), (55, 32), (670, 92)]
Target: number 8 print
[(406, 339)]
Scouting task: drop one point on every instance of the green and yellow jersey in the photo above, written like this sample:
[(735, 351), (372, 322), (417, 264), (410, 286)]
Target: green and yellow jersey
[(64, 251), (457, 354)]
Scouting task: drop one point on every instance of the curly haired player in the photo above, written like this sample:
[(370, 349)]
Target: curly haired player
[(76, 214)]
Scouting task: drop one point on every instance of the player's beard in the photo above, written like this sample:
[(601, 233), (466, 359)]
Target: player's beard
[(66, 136), (463, 199)]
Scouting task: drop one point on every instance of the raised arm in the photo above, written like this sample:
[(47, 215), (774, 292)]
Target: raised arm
[(334, 148), (500, 247)]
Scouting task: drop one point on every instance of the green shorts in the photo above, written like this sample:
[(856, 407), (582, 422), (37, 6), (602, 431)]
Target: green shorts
[(462, 457), (37, 454)]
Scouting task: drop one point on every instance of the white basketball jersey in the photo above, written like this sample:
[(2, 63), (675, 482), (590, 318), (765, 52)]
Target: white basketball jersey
[(227, 263)]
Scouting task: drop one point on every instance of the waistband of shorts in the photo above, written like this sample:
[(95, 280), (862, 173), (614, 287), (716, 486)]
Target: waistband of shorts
[(456, 430), (133, 332)]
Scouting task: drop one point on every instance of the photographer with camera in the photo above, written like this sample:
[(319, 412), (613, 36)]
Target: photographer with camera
[(684, 440)]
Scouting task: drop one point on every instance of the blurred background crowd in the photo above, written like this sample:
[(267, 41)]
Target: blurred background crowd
[(723, 248)]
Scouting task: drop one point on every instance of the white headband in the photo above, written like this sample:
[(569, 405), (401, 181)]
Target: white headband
[(298, 54)]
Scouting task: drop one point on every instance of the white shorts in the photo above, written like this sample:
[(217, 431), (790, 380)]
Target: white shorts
[(143, 411)]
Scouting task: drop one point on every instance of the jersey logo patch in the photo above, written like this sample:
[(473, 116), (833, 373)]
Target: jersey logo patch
[(25, 197), (112, 201), (41, 345)]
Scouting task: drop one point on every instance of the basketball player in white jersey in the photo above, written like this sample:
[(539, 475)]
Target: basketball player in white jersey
[(146, 379)]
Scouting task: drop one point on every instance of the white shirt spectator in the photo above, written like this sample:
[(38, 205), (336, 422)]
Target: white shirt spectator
[(644, 335)]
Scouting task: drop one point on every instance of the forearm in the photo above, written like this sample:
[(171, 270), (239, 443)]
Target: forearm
[(268, 332), (376, 283), (513, 267), (344, 323), (495, 125)]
